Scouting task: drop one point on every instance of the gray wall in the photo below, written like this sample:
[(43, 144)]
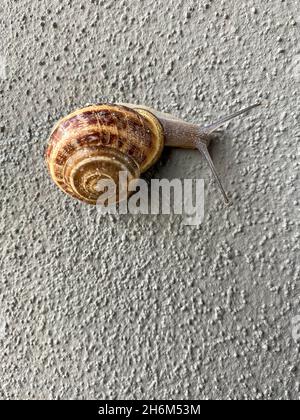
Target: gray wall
[(143, 306)]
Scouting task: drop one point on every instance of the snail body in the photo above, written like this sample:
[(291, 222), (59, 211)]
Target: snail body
[(98, 142)]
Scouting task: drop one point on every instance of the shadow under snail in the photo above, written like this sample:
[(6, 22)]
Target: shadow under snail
[(97, 142)]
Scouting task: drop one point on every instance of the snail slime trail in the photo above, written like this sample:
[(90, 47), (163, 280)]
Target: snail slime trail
[(99, 142)]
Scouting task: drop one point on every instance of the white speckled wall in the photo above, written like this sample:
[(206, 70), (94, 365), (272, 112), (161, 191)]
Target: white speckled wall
[(139, 306)]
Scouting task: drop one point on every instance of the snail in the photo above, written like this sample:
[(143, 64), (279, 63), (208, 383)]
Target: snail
[(97, 142)]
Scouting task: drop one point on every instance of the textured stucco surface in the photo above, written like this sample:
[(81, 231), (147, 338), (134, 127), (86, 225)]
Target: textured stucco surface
[(145, 307)]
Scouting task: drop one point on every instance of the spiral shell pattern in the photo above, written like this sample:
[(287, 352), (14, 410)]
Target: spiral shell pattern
[(99, 141)]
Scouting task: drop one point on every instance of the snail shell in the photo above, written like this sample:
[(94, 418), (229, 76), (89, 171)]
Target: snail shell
[(99, 141)]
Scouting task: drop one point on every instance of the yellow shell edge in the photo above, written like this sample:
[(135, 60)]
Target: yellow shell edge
[(157, 129)]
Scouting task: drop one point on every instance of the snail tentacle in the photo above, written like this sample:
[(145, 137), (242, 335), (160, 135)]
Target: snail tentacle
[(209, 129), (202, 147)]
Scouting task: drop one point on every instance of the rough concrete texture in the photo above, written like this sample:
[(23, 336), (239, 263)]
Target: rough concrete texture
[(143, 306)]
